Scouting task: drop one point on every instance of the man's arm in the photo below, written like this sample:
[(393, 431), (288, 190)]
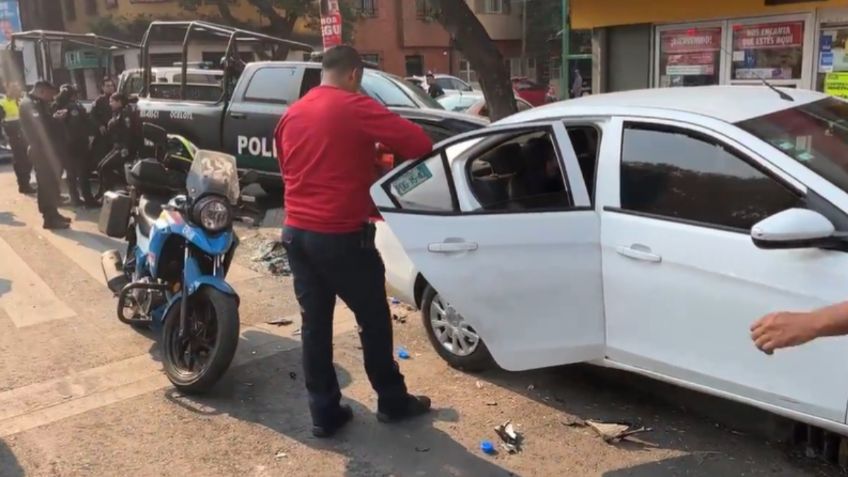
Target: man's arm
[(785, 329), (402, 137)]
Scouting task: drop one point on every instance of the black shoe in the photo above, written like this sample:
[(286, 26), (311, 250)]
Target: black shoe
[(27, 189), (344, 414), (56, 223), (415, 406), (59, 218)]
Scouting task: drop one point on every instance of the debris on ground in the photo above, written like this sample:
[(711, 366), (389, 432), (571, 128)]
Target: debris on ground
[(399, 318), (511, 439), (403, 353), (491, 403), (272, 255), (610, 432), (297, 332), (281, 455), (292, 375), (280, 322), (531, 387), (422, 449), (488, 448), (479, 385)]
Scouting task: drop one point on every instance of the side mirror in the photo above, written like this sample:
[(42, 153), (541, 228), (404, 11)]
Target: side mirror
[(794, 228)]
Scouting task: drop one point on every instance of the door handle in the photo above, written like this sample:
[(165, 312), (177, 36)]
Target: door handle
[(238, 115), (452, 247), (639, 252)]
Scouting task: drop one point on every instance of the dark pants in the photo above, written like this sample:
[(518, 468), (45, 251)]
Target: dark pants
[(348, 266), (78, 171), (20, 158), (47, 174)]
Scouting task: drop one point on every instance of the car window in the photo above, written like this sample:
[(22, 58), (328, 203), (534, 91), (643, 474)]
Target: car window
[(385, 91), (272, 85), (424, 187), (445, 83), (459, 85), (311, 79), (457, 103), (679, 174), (518, 172)]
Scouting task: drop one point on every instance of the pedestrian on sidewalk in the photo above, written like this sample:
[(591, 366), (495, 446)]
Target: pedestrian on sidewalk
[(433, 88), (101, 113), (10, 112), (327, 150), (41, 129)]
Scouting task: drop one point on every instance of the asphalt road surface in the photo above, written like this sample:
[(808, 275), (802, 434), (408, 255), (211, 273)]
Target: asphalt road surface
[(83, 395)]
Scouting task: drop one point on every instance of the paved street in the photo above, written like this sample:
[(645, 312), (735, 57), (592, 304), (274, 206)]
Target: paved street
[(82, 394)]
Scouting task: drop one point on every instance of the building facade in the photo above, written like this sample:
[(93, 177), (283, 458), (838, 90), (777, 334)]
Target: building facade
[(405, 39), (668, 43), (40, 15)]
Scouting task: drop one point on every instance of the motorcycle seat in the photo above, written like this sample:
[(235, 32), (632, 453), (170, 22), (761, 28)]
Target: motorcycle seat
[(149, 210)]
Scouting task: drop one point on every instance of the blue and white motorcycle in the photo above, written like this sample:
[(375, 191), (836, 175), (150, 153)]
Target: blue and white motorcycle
[(179, 229)]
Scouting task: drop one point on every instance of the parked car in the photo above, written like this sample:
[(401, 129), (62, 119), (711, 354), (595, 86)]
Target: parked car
[(449, 84), (475, 104), (643, 231), (243, 124), (532, 92)]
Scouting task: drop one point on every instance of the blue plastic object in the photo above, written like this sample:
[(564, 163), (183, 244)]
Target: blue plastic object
[(403, 353), (487, 447), (395, 301)]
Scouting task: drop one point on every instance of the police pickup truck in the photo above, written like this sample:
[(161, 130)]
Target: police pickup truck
[(242, 122)]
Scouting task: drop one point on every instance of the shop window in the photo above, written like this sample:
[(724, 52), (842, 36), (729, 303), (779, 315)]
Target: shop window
[(832, 77), (771, 51), (366, 8), (91, 7), (466, 72), (414, 65), (690, 57), (373, 58)]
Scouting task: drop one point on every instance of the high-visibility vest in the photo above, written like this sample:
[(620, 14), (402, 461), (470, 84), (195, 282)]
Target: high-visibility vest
[(10, 106)]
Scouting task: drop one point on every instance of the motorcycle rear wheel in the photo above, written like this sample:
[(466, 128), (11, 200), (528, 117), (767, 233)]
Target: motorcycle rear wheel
[(194, 363)]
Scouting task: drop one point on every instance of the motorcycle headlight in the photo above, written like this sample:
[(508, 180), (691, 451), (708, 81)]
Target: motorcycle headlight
[(213, 214)]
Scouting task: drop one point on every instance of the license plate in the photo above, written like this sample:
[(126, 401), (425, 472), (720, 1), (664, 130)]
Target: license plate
[(411, 179)]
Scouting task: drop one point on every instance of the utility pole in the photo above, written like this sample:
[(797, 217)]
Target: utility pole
[(565, 85)]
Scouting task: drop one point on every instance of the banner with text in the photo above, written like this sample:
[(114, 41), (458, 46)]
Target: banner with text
[(331, 23), (768, 35)]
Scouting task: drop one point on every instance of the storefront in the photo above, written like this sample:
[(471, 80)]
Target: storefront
[(738, 51), (796, 44)]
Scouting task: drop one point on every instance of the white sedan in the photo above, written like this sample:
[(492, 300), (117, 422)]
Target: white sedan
[(644, 231)]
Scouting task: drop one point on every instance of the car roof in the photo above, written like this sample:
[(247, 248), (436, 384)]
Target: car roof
[(726, 103)]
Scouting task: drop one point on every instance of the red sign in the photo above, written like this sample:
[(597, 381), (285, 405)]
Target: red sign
[(768, 35), (692, 40), (331, 23)]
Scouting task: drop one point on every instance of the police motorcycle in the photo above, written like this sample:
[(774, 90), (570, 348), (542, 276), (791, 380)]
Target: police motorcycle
[(180, 244)]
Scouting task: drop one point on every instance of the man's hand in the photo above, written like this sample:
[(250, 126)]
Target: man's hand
[(783, 330)]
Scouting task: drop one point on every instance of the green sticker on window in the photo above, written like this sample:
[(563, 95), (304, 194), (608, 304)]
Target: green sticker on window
[(411, 179), (785, 145)]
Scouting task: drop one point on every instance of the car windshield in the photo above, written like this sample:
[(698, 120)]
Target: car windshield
[(458, 103), (814, 134), (394, 91)]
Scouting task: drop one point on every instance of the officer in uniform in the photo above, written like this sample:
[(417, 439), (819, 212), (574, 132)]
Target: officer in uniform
[(41, 127), (10, 114), (101, 113), (78, 127)]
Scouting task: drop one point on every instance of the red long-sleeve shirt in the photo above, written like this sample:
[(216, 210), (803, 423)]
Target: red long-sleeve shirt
[(326, 146)]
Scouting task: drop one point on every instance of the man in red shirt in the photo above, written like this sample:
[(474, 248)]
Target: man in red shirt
[(327, 152)]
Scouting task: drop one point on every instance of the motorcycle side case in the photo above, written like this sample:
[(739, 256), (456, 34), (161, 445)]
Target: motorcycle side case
[(115, 214)]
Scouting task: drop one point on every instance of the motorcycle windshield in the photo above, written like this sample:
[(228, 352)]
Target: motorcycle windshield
[(213, 172)]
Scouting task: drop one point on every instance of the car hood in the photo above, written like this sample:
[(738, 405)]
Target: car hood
[(441, 115)]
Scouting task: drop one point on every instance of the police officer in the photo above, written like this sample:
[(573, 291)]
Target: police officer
[(101, 113), (327, 145), (10, 113), (78, 127), (126, 137), (41, 127)]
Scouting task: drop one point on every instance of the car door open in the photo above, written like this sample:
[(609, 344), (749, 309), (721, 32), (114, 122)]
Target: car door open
[(500, 223)]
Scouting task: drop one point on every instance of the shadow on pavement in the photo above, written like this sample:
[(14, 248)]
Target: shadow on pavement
[(270, 392), (9, 219), (9, 466)]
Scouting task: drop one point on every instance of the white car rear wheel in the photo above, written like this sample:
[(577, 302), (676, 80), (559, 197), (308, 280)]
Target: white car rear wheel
[(453, 338)]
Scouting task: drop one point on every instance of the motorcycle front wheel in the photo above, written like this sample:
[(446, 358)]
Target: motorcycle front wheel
[(196, 361)]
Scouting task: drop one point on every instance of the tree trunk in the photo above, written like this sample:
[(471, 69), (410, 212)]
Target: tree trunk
[(477, 47)]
